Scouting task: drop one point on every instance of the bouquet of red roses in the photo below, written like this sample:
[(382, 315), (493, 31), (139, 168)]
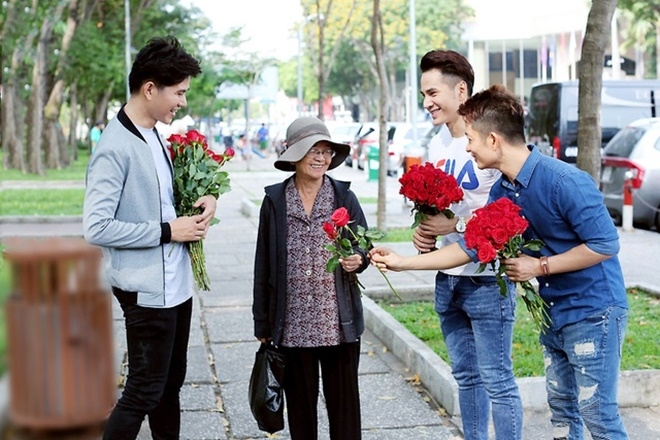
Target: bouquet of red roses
[(495, 231), (196, 173), (342, 247), (431, 190)]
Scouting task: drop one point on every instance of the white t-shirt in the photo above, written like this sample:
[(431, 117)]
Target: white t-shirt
[(448, 153), (178, 271)]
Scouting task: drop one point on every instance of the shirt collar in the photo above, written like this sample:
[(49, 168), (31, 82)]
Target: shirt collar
[(525, 174)]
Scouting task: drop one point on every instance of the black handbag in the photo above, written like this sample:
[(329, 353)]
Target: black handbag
[(266, 392)]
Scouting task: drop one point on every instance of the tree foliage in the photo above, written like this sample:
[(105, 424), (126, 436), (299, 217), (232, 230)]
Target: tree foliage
[(64, 67), (348, 59), (644, 28)]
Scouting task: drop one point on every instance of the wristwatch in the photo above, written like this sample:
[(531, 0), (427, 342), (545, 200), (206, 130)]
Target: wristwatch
[(460, 224)]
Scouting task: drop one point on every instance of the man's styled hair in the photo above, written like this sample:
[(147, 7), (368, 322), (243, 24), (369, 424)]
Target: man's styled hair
[(451, 64), (495, 110), (163, 61)]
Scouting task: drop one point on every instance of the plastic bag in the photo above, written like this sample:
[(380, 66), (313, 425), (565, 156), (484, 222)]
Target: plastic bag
[(266, 392)]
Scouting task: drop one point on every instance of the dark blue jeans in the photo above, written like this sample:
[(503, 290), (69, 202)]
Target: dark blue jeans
[(157, 342)]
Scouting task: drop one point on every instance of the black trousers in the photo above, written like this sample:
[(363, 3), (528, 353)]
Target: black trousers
[(339, 371), (157, 342)]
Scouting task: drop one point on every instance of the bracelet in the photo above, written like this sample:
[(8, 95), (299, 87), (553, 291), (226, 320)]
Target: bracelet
[(544, 266)]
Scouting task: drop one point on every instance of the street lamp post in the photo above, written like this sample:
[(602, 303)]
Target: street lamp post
[(300, 85), (127, 49), (413, 73)]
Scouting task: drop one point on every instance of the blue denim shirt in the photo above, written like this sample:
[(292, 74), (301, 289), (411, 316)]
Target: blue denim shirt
[(564, 216)]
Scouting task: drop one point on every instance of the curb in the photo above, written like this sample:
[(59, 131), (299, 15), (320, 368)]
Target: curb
[(637, 388)]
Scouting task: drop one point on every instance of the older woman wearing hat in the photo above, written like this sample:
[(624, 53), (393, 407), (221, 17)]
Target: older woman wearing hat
[(313, 316)]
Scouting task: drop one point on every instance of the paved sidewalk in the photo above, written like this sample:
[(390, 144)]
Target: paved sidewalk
[(394, 405)]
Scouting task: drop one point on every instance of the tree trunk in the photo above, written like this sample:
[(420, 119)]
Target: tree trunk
[(101, 107), (72, 139), (34, 117), (58, 154), (377, 43), (12, 103), (12, 143), (595, 39)]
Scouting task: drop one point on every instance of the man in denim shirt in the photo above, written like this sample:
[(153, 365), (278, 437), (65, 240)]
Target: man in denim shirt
[(578, 269)]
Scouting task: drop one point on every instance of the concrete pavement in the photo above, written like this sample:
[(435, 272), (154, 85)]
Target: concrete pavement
[(394, 404)]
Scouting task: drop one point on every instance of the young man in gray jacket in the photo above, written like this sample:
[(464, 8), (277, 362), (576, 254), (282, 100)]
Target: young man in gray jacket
[(129, 212)]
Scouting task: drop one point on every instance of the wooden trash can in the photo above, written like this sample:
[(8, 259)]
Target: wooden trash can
[(59, 328), (409, 161)]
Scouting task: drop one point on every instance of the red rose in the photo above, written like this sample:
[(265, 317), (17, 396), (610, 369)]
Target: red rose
[(176, 139), (486, 254), (500, 237), (330, 231), (195, 136), (229, 152), (340, 217)]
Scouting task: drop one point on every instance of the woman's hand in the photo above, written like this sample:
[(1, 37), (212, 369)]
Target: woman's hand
[(352, 263)]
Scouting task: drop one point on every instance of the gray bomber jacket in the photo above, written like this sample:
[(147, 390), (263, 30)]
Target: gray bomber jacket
[(122, 212)]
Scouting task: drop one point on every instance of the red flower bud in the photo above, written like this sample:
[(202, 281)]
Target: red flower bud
[(330, 231), (229, 152)]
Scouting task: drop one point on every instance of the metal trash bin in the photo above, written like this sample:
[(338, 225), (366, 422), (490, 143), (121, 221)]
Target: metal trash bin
[(59, 335), (373, 163)]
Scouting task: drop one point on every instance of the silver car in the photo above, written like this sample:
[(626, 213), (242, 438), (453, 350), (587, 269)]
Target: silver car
[(633, 155)]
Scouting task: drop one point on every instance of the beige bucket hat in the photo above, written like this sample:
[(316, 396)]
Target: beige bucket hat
[(301, 136)]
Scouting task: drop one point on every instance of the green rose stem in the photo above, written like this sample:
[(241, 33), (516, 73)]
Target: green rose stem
[(198, 262), (369, 244)]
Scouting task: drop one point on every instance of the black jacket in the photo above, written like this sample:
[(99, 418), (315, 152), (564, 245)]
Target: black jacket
[(270, 266)]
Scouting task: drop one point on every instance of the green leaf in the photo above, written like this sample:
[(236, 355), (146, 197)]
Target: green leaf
[(448, 213), (419, 217), (345, 244), (502, 284), (330, 248), (374, 234), (534, 245), (332, 264)]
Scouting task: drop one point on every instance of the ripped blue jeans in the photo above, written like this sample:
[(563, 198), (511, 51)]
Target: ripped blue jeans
[(582, 371)]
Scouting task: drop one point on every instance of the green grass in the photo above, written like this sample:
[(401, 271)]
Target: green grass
[(639, 350), (75, 171), (398, 235), (25, 202)]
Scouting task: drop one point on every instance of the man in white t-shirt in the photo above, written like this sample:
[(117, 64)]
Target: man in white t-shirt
[(476, 320)]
